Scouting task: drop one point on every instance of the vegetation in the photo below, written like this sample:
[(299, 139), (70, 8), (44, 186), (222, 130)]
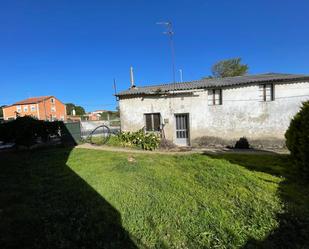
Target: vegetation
[(1, 111), (297, 138), (93, 199), (229, 68), (79, 110), (136, 140), (109, 115), (100, 140), (140, 139), (27, 130), (242, 143)]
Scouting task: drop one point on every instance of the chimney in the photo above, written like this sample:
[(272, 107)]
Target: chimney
[(132, 77)]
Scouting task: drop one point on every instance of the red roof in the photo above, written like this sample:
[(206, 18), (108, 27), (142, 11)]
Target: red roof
[(33, 100)]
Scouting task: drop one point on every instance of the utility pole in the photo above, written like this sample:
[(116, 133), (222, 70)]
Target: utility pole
[(114, 86), (169, 32)]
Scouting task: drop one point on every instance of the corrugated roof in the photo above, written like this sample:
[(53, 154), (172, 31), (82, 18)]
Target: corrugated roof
[(33, 100), (213, 83)]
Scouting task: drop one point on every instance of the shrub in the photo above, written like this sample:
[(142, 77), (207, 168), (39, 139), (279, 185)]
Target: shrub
[(26, 130), (145, 141), (242, 143), (297, 138)]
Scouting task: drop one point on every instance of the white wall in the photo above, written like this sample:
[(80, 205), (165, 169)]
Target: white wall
[(241, 114)]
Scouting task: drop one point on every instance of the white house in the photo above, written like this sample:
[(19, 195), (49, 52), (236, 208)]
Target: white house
[(217, 111)]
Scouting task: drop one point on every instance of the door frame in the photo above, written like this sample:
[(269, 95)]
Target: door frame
[(188, 143)]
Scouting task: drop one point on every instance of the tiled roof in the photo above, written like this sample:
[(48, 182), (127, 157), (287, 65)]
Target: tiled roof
[(33, 100), (213, 83)]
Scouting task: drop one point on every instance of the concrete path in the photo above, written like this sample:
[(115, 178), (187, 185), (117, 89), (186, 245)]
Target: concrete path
[(183, 151)]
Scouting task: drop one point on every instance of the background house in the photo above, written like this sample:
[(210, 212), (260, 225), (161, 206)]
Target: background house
[(217, 111), (102, 115), (43, 108), (95, 115)]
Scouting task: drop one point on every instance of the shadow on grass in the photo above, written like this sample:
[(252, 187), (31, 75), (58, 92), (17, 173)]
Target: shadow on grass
[(293, 230), (44, 204)]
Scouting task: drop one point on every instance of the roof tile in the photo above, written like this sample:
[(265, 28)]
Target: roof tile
[(213, 83), (33, 100)]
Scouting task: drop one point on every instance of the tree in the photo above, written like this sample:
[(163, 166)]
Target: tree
[(297, 139), (229, 68), (79, 110), (1, 111)]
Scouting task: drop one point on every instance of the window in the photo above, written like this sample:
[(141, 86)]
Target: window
[(215, 97), (267, 92), (152, 122), (53, 108), (18, 108), (52, 100), (25, 108), (32, 108)]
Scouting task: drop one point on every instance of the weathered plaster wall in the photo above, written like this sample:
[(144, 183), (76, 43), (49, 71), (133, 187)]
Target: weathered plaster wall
[(241, 114)]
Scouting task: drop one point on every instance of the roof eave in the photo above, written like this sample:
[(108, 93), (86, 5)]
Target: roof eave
[(254, 82)]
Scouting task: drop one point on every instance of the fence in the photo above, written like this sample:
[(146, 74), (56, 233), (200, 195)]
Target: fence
[(88, 126), (72, 132)]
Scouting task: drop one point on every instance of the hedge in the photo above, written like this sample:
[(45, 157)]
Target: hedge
[(27, 131)]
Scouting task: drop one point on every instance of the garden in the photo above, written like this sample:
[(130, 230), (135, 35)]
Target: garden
[(68, 197), (80, 198)]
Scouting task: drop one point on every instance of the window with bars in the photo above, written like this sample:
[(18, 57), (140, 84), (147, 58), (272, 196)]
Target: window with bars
[(153, 121), (266, 92), (215, 97)]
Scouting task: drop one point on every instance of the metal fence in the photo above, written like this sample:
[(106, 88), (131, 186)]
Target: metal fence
[(78, 131), (72, 132), (88, 126)]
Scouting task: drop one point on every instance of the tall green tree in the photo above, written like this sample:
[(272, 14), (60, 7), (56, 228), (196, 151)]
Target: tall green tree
[(1, 111), (79, 110), (229, 68)]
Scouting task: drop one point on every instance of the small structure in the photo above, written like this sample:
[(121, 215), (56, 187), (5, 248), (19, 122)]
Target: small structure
[(102, 115), (217, 111), (95, 115), (43, 108)]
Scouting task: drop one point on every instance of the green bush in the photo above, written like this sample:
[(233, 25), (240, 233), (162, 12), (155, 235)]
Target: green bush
[(242, 143), (297, 138), (140, 139), (26, 130)]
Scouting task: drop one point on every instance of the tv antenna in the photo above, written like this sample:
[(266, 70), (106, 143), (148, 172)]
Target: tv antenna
[(169, 32)]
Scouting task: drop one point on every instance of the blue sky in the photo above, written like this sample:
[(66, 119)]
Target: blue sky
[(74, 49)]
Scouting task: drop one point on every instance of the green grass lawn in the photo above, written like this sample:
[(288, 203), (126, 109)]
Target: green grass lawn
[(112, 141), (81, 198)]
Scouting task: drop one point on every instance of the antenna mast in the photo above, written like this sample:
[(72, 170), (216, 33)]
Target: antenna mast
[(180, 74), (169, 32)]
